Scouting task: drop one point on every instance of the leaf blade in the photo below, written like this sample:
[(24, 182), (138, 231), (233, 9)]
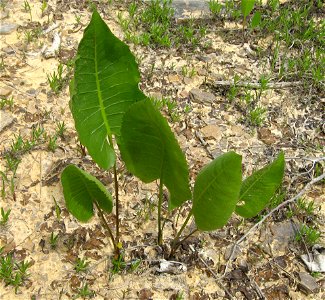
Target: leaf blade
[(151, 151), (80, 190), (258, 189), (213, 203), (105, 85)]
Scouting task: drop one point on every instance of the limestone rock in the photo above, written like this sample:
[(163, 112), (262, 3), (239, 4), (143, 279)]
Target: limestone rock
[(6, 119), (199, 96)]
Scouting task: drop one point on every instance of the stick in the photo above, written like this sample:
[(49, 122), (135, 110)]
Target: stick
[(256, 85)]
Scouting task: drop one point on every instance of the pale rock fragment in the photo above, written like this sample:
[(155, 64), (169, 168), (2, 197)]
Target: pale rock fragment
[(212, 131), (315, 262), (171, 267), (199, 96), (54, 49), (6, 119), (5, 92)]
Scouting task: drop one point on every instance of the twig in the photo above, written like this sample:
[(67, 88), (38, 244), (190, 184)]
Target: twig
[(256, 85), (283, 204), (214, 275), (204, 143)]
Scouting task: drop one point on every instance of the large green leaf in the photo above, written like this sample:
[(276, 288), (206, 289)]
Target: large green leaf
[(151, 151), (216, 191), (258, 189), (80, 190), (105, 84)]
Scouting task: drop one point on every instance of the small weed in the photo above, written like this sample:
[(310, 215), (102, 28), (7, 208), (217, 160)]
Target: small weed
[(27, 8), (134, 264), (308, 234), (84, 292), (60, 129), (4, 216), (316, 274), (43, 7), (81, 265), (57, 209), (13, 273), (54, 240), (307, 207), (9, 102), (56, 79), (256, 116), (215, 7), (52, 145), (179, 296), (118, 264)]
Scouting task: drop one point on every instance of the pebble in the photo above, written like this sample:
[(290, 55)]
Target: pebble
[(6, 119), (199, 96), (7, 28), (309, 282), (5, 92), (212, 131)]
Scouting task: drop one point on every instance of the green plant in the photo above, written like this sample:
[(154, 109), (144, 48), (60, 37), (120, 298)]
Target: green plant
[(85, 292), (43, 7), (308, 234), (4, 216), (118, 264), (52, 145), (246, 8), (56, 79), (54, 240), (81, 265), (28, 9), (13, 273), (215, 7), (7, 102), (57, 209), (111, 107)]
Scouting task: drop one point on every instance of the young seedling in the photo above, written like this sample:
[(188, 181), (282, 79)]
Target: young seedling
[(54, 240), (57, 209), (84, 292), (81, 265), (28, 9), (4, 216), (246, 8)]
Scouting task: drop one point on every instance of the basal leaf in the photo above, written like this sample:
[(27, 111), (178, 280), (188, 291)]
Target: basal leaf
[(80, 190), (216, 191), (105, 84), (151, 151), (258, 189), (247, 6)]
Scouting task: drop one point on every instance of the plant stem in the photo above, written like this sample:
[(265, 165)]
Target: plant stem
[(177, 244), (106, 226), (176, 239), (160, 230), (117, 206)]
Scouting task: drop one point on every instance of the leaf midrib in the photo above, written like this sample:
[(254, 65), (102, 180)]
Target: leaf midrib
[(99, 93)]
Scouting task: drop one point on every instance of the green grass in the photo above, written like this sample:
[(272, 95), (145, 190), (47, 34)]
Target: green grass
[(152, 24), (13, 273)]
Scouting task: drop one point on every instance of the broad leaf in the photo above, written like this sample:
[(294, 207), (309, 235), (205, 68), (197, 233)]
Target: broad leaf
[(246, 7), (80, 190), (105, 84), (216, 191), (151, 151), (258, 189)]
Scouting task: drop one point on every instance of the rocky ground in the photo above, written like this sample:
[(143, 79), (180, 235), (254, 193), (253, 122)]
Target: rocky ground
[(267, 265)]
